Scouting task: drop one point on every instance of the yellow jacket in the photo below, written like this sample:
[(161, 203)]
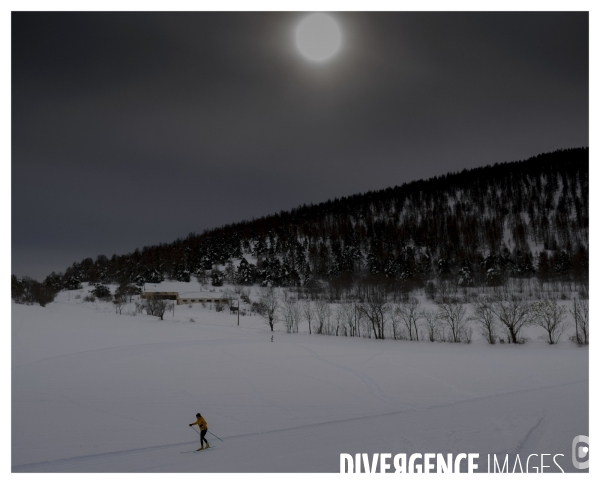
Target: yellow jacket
[(201, 423)]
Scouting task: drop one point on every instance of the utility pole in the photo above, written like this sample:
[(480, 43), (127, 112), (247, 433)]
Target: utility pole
[(238, 311)]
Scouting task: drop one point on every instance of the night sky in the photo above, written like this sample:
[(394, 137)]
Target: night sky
[(131, 129)]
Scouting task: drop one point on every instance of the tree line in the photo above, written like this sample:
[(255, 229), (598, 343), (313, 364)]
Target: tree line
[(479, 227), (500, 317)]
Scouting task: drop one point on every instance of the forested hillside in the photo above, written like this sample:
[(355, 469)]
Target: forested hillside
[(477, 227)]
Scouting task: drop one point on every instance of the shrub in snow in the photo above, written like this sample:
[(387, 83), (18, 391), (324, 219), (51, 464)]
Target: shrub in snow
[(43, 294), (30, 291), (102, 292)]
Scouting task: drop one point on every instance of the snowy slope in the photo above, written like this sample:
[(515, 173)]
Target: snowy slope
[(93, 391)]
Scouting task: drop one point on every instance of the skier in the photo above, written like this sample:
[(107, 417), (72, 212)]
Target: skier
[(201, 423)]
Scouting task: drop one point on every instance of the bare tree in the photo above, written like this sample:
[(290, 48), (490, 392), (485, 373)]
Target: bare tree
[(550, 315), (513, 312), (309, 314), (452, 312), (339, 321), (291, 313), (467, 334), (119, 302), (376, 311), (356, 320), (580, 312), (365, 324), (410, 314), (432, 325), (346, 318), (396, 322), (268, 305), (322, 316), (162, 306), (157, 307), (146, 305), (484, 317)]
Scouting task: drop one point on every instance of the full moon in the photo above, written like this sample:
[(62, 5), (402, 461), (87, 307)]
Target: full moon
[(318, 37)]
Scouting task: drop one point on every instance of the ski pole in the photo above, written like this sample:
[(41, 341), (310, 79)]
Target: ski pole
[(198, 434), (215, 435), (209, 433)]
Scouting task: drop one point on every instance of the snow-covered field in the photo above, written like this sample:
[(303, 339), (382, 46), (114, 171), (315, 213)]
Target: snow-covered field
[(95, 391)]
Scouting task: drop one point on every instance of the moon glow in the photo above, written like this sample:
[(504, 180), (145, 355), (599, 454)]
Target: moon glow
[(318, 37)]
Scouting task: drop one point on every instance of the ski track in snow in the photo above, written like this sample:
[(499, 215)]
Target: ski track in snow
[(106, 460), (531, 415), (374, 389), (533, 435)]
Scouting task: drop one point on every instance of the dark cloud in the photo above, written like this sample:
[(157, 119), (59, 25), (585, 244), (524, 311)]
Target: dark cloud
[(130, 129)]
